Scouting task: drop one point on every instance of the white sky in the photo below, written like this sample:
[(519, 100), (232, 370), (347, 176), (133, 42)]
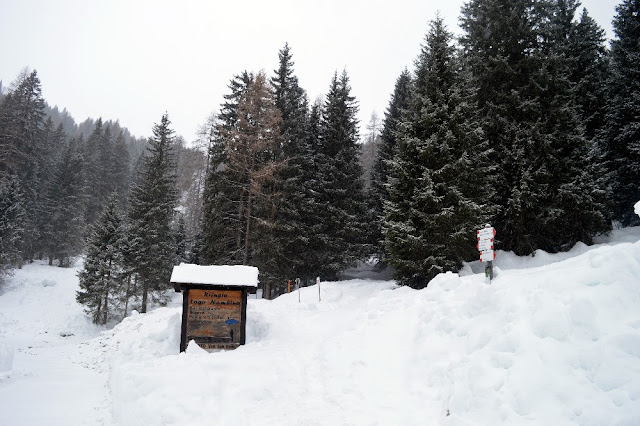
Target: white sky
[(133, 60)]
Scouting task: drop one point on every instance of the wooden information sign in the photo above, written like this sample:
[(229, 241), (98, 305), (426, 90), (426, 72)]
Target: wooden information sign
[(214, 314), (214, 318)]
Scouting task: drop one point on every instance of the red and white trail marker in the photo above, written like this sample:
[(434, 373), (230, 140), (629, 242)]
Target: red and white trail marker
[(485, 247)]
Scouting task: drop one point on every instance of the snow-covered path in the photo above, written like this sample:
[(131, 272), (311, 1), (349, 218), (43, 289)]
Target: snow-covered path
[(62, 389), (48, 373)]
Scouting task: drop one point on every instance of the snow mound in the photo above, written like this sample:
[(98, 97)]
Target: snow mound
[(555, 339), (554, 344), (38, 305)]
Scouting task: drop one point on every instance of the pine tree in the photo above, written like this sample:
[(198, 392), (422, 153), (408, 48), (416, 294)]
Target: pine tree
[(378, 192), (151, 212), (52, 147), (12, 222), (239, 202), (589, 72), (284, 257), (220, 242), (93, 173), (521, 67), (501, 43), (574, 203), (102, 276), (64, 204), (21, 128), (118, 172), (621, 133), (181, 240), (21, 133), (251, 153), (341, 238), (313, 206), (437, 184)]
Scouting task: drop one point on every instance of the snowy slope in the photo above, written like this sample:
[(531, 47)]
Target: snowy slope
[(546, 343), (47, 376)]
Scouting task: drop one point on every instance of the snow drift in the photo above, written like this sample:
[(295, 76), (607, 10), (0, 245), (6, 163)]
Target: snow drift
[(555, 343)]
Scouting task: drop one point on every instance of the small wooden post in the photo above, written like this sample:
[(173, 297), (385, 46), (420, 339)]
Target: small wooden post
[(288, 286)]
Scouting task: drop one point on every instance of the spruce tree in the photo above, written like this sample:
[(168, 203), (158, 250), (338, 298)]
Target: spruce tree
[(220, 242), (313, 204), (589, 72), (574, 203), (21, 134), (340, 195), (64, 203), (285, 256), (102, 275), (118, 172), (180, 231), (621, 134), (438, 185), (12, 223), (378, 193), (501, 45), (21, 129), (93, 172), (251, 153), (151, 212), (521, 67)]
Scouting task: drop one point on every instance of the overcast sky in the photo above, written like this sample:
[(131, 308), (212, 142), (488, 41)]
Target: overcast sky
[(133, 60)]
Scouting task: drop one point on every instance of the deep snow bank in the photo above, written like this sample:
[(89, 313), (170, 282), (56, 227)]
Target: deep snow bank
[(555, 344)]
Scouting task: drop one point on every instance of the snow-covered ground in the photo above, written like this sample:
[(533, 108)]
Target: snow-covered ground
[(555, 339)]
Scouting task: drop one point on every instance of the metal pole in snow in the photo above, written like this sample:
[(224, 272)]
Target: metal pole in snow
[(318, 282), (488, 271), (298, 285)]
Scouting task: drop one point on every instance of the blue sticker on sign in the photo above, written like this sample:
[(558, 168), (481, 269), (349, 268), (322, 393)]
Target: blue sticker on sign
[(231, 321)]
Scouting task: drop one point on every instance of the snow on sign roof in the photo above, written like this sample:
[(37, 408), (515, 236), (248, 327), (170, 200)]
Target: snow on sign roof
[(235, 275)]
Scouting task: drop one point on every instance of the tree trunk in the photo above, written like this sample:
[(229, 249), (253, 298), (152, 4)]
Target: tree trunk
[(106, 295), (105, 313), (96, 315), (127, 295), (145, 291), (245, 257), (266, 291), (239, 236)]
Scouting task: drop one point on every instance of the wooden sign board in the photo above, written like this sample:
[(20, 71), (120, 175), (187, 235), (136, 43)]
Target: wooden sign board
[(214, 317)]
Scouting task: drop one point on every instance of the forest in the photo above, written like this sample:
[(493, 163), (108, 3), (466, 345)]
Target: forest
[(530, 121)]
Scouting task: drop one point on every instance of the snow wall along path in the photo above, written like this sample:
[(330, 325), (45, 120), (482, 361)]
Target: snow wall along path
[(557, 344)]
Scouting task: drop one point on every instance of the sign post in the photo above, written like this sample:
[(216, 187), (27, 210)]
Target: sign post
[(485, 247), (214, 304)]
